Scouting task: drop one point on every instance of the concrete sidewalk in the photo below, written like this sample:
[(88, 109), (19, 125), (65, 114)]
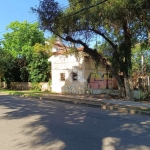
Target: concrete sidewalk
[(141, 108), (124, 106)]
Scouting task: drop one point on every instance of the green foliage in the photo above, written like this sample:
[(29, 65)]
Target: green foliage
[(25, 44), (24, 35), (105, 49), (49, 82), (9, 70), (39, 67), (4, 61), (36, 86), (138, 51)]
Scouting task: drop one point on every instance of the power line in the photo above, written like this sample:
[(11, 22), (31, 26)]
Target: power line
[(85, 8), (65, 7), (79, 11)]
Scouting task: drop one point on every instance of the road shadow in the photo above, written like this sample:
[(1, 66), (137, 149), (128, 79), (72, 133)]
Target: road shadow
[(62, 126)]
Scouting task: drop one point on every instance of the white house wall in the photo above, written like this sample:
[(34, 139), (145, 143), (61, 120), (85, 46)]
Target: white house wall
[(68, 65), (88, 78)]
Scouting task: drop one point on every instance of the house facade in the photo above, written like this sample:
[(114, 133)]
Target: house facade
[(75, 72)]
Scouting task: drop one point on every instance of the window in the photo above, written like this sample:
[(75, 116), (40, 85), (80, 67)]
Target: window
[(74, 76), (62, 77)]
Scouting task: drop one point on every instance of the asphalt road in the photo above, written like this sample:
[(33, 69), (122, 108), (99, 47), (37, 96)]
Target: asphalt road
[(31, 124)]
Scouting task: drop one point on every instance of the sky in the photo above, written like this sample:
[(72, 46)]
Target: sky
[(19, 10)]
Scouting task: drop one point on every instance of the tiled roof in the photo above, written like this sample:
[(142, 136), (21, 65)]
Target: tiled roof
[(60, 45), (62, 48)]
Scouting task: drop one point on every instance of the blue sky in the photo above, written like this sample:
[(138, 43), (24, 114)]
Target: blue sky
[(18, 10)]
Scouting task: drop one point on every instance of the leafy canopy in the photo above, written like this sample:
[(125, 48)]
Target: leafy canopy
[(20, 44), (24, 35), (120, 23)]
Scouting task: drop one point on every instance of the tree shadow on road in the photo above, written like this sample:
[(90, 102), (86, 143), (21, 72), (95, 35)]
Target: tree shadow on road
[(62, 126)]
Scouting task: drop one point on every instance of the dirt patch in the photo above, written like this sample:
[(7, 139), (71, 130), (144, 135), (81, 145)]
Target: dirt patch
[(110, 96), (147, 99), (103, 96)]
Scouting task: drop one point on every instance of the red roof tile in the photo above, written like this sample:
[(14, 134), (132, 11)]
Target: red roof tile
[(62, 48)]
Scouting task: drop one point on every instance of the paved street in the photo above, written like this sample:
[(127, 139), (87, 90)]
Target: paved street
[(31, 124)]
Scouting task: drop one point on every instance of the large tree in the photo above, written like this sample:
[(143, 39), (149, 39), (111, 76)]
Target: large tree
[(120, 23), (19, 43), (22, 38)]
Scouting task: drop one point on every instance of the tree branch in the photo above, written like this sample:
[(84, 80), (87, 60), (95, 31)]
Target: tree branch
[(57, 34), (108, 40), (93, 53)]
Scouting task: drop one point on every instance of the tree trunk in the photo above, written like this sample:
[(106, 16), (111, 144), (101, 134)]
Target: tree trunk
[(120, 86), (127, 64), (128, 88)]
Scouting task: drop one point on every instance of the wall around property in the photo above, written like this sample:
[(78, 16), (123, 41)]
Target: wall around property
[(44, 86)]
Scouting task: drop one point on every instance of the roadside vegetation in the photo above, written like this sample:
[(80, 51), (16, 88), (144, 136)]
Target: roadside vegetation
[(24, 54), (25, 93)]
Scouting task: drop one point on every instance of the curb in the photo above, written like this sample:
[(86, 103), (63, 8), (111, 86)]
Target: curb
[(93, 103), (102, 105)]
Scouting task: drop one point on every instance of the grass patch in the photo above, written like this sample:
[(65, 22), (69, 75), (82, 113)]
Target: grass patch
[(145, 110), (27, 93), (7, 90), (142, 109)]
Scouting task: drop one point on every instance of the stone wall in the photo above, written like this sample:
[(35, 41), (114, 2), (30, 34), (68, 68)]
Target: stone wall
[(106, 91), (20, 85), (2, 85), (26, 86), (45, 86), (137, 94)]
